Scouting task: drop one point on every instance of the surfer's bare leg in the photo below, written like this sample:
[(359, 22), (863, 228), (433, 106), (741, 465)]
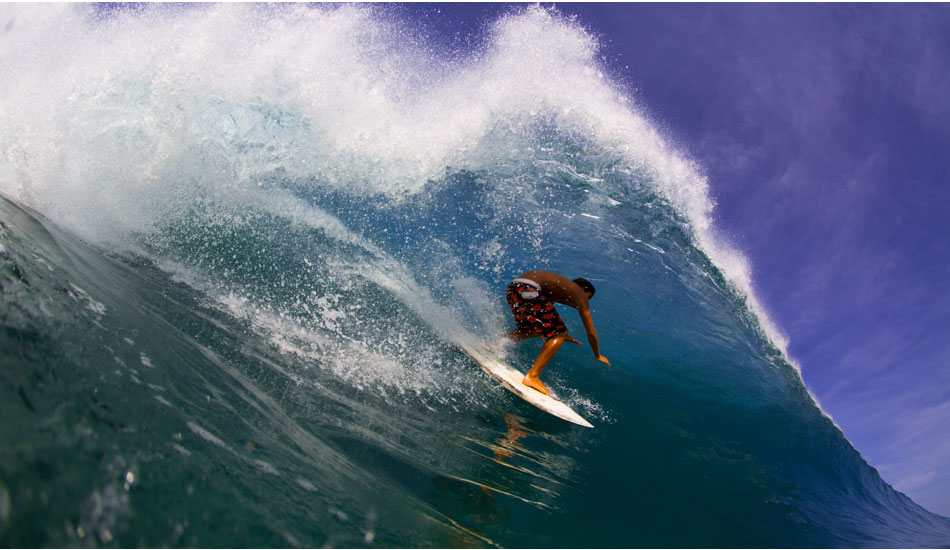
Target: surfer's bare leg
[(520, 334), (548, 350)]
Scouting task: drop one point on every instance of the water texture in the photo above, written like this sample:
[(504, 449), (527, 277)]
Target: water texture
[(237, 242)]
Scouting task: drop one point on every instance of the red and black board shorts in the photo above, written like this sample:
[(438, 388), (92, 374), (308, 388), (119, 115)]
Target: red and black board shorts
[(533, 314)]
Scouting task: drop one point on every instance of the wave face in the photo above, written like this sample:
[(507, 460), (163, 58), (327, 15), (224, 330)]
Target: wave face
[(237, 241)]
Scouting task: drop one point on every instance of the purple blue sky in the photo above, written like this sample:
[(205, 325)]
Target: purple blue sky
[(824, 131)]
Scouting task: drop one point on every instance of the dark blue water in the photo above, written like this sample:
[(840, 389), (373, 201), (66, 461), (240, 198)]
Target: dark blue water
[(237, 243)]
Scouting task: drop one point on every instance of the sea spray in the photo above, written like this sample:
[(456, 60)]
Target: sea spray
[(284, 216)]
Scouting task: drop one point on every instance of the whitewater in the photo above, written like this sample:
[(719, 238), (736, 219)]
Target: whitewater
[(238, 241)]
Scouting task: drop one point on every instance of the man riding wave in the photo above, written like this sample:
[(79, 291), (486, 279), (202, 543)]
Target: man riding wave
[(531, 297)]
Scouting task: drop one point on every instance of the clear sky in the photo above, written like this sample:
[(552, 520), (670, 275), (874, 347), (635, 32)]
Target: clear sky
[(824, 131)]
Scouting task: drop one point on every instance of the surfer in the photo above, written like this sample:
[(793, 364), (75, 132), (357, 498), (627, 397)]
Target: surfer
[(531, 297)]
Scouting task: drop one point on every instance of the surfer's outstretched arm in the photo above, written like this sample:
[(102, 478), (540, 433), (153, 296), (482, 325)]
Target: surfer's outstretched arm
[(592, 334)]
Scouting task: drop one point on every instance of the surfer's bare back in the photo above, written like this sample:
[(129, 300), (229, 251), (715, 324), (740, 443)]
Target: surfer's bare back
[(531, 297)]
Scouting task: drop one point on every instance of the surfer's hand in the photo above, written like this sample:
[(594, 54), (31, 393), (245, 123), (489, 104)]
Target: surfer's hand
[(573, 340), (603, 359)]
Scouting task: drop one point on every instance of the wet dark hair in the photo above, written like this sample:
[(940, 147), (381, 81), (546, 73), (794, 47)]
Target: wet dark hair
[(585, 284)]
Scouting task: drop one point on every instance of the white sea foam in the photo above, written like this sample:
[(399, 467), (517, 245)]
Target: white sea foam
[(114, 121)]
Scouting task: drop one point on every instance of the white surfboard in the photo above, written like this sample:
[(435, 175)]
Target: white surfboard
[(511, 377)]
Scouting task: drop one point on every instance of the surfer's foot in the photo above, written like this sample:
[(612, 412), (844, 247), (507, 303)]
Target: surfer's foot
[(536, 384)]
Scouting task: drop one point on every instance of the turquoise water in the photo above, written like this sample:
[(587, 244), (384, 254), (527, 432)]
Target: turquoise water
[(236, 243)]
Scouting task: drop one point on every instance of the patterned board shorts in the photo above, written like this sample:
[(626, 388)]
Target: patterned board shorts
[(533, 313)]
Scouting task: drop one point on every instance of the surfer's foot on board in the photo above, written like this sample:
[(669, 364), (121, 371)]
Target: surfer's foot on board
[(536, 384)]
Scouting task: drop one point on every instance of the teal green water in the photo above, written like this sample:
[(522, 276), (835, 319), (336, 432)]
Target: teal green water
[(227, 302)]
